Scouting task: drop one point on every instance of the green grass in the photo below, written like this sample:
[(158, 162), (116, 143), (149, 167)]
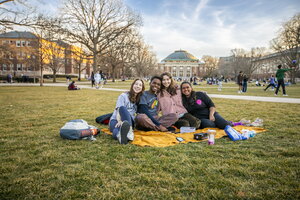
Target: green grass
[(37, 164)]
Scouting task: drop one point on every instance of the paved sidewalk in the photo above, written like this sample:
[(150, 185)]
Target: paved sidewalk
[(240, 97)]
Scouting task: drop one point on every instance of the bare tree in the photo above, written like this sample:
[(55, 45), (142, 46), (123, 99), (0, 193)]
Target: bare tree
[(97, 23), (47, 51), (50, 50), (81, 60), (211, 64), (15, 13), (239, 61), (249, 65), (287, 43)]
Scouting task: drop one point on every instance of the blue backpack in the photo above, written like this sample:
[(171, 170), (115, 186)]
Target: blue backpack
[(78, 129)]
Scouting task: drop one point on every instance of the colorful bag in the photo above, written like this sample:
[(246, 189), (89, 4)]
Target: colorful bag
[(233, 134), (78, 129)]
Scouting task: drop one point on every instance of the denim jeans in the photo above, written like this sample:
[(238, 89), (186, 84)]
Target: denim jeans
[(125, 116), (280, 82)]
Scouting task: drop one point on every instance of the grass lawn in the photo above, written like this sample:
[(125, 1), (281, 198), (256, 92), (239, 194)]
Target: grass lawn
[(37, 164)]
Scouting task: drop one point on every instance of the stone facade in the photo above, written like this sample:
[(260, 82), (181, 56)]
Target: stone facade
[(182, 65)]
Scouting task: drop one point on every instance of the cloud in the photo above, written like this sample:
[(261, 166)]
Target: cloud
[(200, 6), (203, 28)]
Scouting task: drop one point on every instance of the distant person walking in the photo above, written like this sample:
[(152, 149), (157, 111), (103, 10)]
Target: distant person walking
[(98, 79), (93, 79), (271, 83), (245, 83), (240, 82), (9, 78), (280, 79)]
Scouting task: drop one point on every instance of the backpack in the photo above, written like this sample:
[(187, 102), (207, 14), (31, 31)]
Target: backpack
[(78, 129), (104, 119)]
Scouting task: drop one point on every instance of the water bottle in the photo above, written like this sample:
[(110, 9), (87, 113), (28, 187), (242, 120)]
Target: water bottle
[(211, 137)]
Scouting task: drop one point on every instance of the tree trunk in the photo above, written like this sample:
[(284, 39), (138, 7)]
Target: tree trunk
[(79, 72), (54, 76), (95, 58), (42, 79), (113, 67)]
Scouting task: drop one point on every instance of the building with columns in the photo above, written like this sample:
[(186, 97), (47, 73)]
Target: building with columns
[(182, 65)]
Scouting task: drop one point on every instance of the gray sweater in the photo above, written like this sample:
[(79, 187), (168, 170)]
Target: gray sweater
[(123, 100)]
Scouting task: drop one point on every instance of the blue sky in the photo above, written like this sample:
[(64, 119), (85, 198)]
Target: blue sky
[(211, 27), (206, 27)]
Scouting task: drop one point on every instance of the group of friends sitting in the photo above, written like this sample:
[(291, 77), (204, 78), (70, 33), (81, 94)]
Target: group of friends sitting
[(164, 107)]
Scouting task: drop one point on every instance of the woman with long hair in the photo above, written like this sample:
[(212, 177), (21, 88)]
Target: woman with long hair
[(202, 107), (170, 101), (122, 121)]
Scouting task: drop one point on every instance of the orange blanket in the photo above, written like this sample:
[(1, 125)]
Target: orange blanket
[(164, 139)]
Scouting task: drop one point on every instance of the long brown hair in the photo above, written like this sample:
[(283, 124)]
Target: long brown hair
[(172, 89), (135, 98)]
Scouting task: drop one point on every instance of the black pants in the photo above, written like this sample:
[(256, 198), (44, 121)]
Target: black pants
[(188, 120), (271, 84), (280, 82), (219, 122)]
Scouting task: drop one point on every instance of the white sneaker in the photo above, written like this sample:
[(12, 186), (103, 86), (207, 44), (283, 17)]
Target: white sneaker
[(130, 135), (123, 131), (275, 94), (285, 95)]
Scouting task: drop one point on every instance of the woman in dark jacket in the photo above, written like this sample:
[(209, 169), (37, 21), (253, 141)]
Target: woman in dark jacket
[(202, 107)]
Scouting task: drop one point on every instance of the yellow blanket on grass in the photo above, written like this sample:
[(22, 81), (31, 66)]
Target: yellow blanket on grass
[(164, 139)]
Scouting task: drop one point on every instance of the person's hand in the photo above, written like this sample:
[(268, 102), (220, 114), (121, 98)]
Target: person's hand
[(119, 124), (212, 118), (162, 128)]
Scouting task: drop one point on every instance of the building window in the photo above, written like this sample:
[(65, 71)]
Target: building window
[(4, 67), (19, 67), (28, 43), (174, 73), (18, 43), (4, 42), (30, 68), (11, 67), (23, 43), (180, 73)]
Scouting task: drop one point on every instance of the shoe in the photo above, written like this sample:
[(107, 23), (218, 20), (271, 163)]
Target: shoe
[(172, 129), (130, 135), (122, 135), (285, 95), (275, 94)]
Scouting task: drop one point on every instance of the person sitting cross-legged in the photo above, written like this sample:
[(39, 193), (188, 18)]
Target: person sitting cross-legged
[(72, 86), (147, 118)]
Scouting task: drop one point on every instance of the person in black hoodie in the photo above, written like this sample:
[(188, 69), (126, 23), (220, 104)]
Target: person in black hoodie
[(202, 107)]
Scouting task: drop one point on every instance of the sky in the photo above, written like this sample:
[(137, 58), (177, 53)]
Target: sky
[(211, 27), (206, 27)]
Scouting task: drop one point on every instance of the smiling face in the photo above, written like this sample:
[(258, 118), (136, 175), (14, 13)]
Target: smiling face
[(138, 86), (166, 81), (155, 85), (186, 89)]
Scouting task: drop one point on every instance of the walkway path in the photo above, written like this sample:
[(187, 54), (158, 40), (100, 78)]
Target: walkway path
[(240, 97)]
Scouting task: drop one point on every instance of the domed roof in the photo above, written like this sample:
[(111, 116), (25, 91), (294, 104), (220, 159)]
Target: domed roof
[(180, 55)]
